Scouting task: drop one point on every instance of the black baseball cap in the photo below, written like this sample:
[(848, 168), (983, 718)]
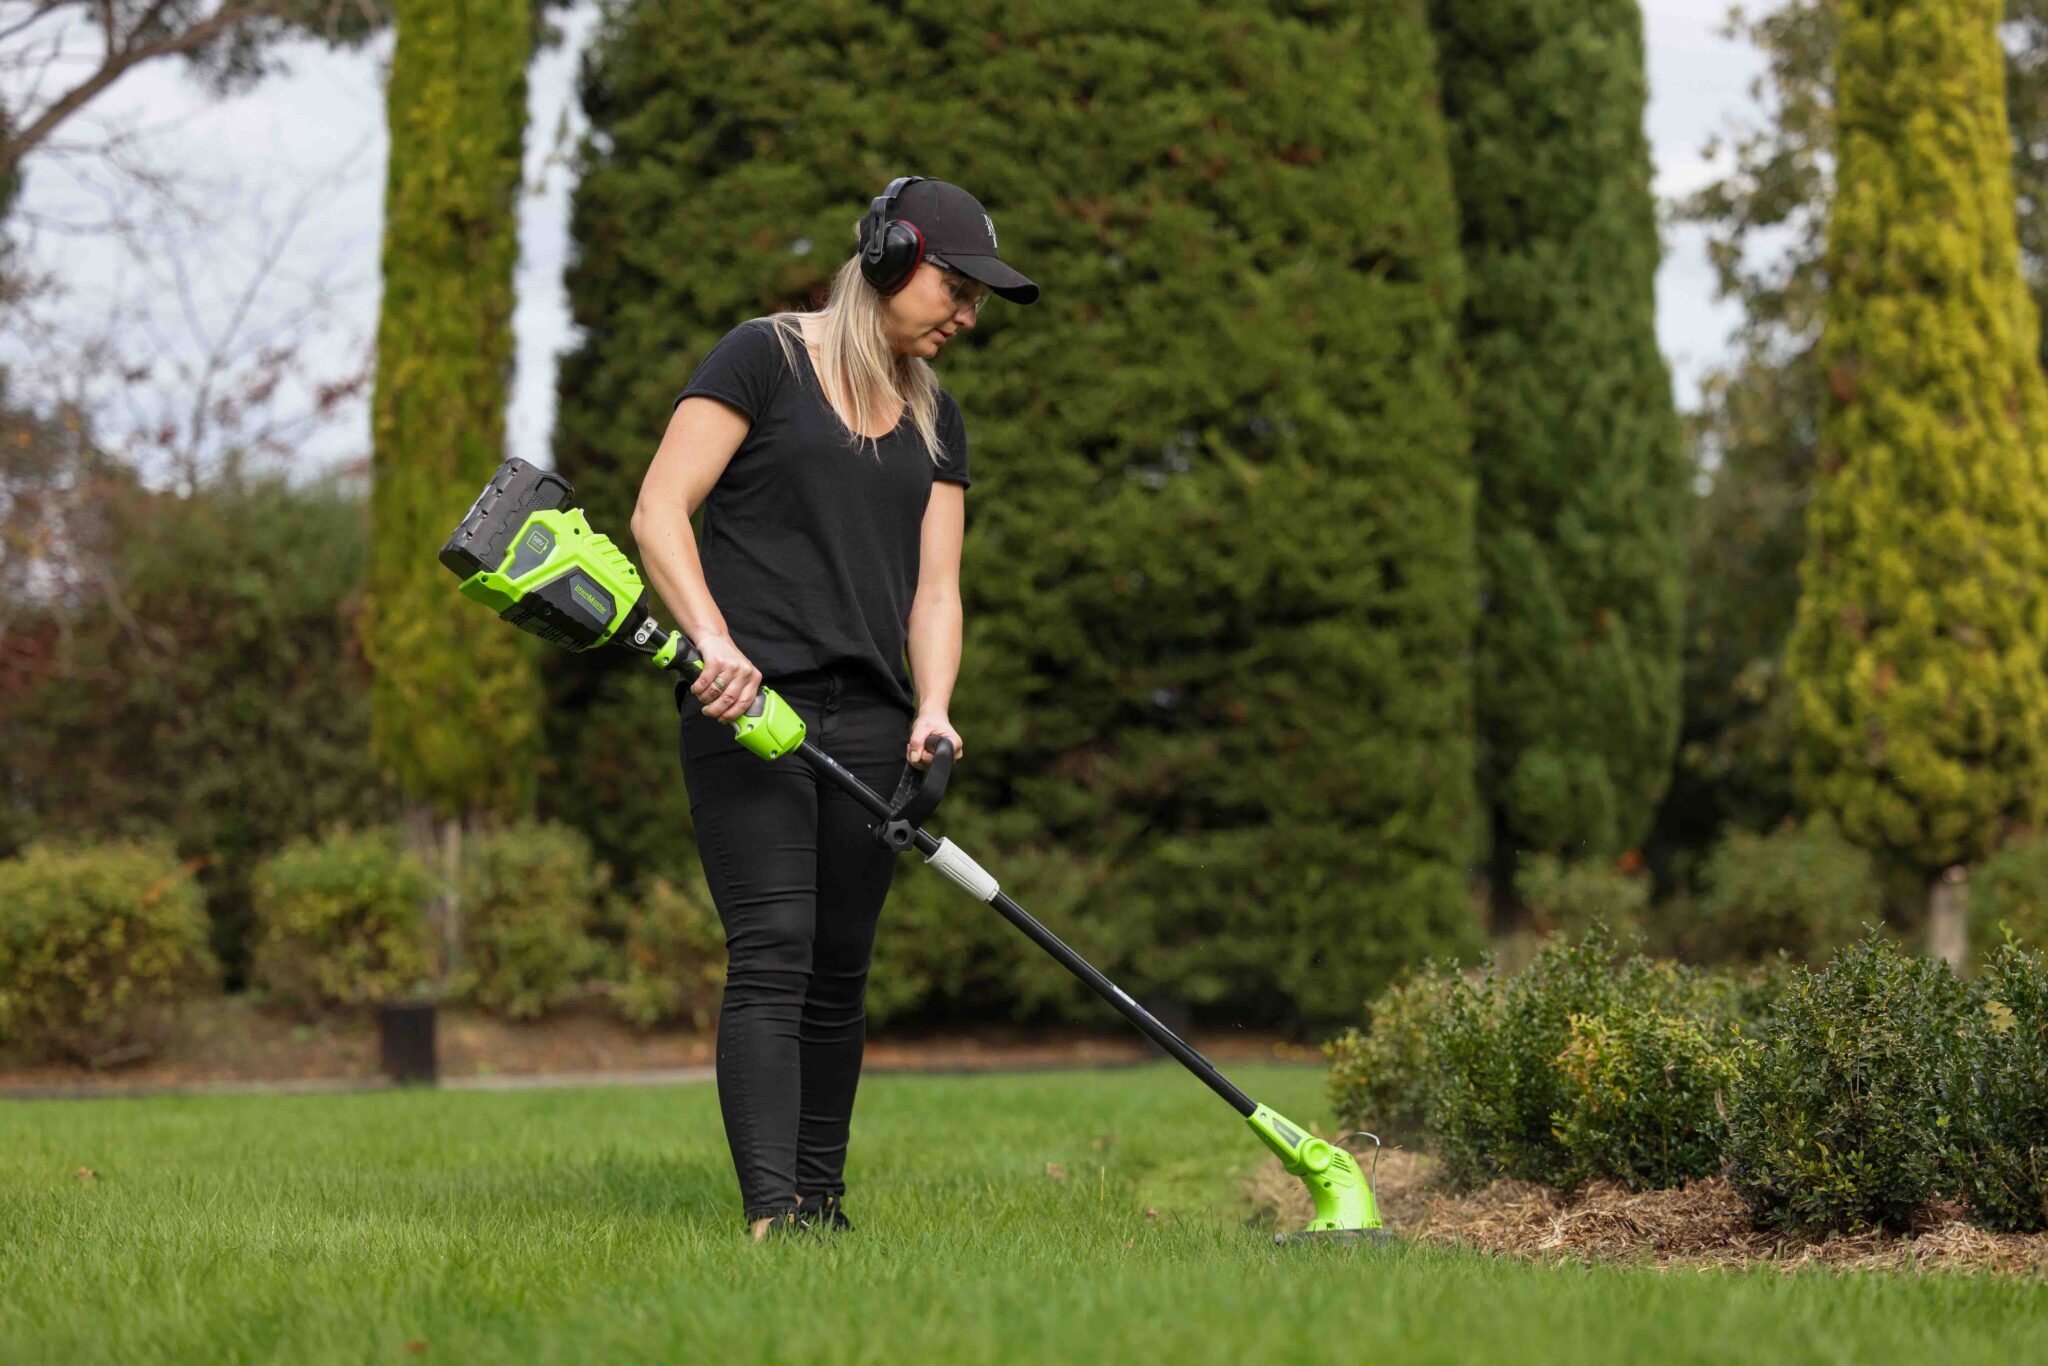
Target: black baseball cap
[(959, 233)]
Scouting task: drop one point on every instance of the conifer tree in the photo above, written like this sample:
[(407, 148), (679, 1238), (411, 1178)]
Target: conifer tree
[(1581, 465), (455, 696), (1920, 697)]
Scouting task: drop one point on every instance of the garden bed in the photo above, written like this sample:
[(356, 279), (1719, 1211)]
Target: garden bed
[(1701, 1224)]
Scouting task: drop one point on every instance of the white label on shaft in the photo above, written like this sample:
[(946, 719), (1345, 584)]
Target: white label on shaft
[(949, 859)]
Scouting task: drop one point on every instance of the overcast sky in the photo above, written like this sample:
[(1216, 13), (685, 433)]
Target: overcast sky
[(292, 175)]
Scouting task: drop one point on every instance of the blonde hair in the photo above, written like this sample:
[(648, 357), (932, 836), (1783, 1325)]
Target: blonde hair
[(860, 374)]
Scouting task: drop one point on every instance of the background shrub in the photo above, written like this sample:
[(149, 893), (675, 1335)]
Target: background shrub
[(1492, 1049), (2011, 888), (530, 895), (1839, 1115), (671, 956), (98, 943), (2001, 1133), (227, 744), (1379, 1075), (1803, 889), (1569, 898), (341, 921), (1644, 1092)]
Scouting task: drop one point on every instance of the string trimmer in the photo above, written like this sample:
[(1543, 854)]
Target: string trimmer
[(527, 553)]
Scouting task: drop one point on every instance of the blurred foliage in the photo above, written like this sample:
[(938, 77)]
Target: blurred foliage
[(1802, 890), (669, 966), (2009, 890), (531, 894), (341, 921), (1920, 686), (98, 945), (1758, 424), (455, 698), (1579, 452), (1569, 898), (179, 665)]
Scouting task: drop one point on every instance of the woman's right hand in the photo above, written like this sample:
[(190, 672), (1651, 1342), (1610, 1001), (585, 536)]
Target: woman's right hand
[(723, 661)]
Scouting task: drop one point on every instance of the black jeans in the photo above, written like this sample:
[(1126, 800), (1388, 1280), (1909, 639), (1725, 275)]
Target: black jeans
[(799, 881)]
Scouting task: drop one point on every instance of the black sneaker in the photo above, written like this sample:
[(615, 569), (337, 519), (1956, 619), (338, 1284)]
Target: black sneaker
[(825, 1216)]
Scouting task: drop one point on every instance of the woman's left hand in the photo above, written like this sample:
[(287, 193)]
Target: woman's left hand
[(930, 725)]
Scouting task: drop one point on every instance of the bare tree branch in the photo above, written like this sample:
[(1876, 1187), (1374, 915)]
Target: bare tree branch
[(122, 54)]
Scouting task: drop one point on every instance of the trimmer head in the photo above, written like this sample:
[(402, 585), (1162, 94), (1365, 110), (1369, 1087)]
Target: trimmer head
[(1344, 1236), (1345, 1209)]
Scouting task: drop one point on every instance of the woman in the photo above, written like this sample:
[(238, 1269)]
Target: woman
[(833, 470)]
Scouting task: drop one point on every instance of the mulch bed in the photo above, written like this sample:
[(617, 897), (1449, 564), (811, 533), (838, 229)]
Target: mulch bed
[(234, 1039), (1703, 1224)]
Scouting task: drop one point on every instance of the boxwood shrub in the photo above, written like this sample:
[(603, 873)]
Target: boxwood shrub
[(2001, 1132), (1379, 1074), (1644, 1093), (531, 894), (1844, 1102), (98, 945), (670, 963), (341, 921), (1497, 1088)]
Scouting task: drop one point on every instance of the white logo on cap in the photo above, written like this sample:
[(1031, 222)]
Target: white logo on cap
[(991, 229)]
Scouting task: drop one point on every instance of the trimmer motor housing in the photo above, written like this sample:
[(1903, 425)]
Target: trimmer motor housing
[(524, 551), (528, 554)]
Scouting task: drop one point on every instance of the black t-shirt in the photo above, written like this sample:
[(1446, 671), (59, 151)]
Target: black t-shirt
[(810, 546)]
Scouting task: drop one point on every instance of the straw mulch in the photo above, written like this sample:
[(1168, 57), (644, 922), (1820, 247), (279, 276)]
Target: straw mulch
[(1702, 1224)]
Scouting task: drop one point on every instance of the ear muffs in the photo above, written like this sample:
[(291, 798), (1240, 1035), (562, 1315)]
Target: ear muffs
[(890, 249)]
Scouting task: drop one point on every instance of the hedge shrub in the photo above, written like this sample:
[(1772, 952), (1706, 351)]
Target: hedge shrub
[(2001, 1137), (98, 945), (341, 921), (1842, 1110), (671, 956), (1644, 1094), (1803, 889), (1493, 1048), (531, 894), (1379, 1075)]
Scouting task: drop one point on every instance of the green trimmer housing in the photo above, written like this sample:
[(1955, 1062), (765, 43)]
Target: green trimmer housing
[(525, 551)]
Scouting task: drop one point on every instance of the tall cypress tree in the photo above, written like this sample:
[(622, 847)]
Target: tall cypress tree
[(1218, 572), (455, 696), (1582, 470), (1920, 695)]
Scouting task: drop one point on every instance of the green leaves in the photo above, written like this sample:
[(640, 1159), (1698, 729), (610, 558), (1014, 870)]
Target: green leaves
[(341, 920), (1919, 682), (1843, 1096), (98, 943)]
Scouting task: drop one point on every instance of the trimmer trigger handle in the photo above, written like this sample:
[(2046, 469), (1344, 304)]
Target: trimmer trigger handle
[(917, 795)]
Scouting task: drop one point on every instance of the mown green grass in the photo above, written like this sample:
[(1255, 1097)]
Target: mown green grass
[(604, 1225)]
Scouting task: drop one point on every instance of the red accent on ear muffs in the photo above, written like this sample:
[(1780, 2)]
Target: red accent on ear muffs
[(915, 260)]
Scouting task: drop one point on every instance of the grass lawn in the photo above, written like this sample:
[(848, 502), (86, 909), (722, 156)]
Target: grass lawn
[(604, 1225)]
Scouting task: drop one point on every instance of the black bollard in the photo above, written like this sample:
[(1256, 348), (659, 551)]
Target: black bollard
[(405, 1032)]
